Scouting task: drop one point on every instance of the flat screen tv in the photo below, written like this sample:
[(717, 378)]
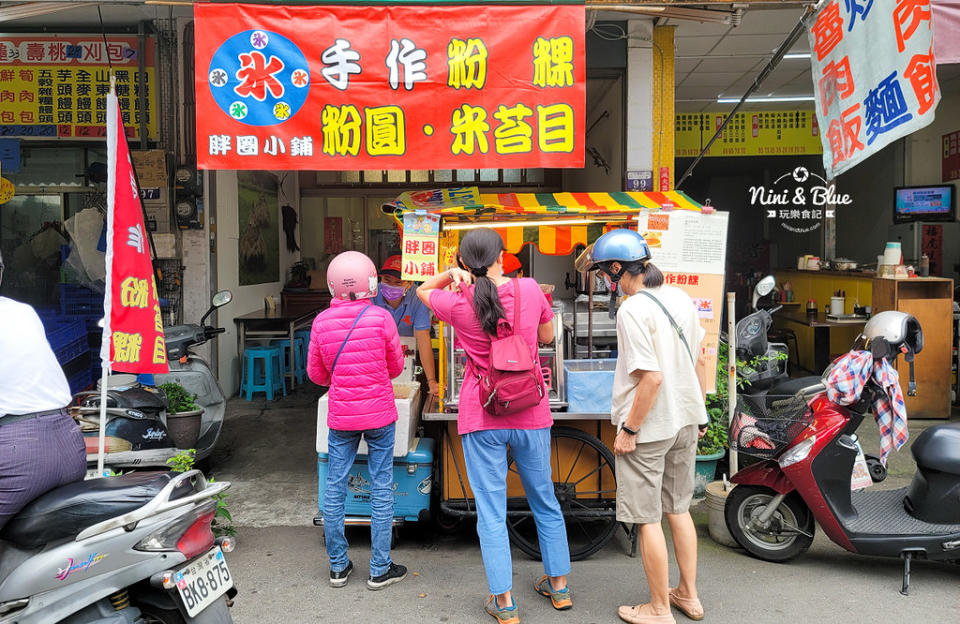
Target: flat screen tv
[(924, 203)]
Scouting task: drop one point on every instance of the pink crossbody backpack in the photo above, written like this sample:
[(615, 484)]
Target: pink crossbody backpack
[(514, 381)]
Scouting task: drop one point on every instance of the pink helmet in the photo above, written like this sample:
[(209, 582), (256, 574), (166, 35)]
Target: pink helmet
[(352, 275)]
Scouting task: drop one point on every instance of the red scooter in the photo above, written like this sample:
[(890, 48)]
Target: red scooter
[(808, 447)]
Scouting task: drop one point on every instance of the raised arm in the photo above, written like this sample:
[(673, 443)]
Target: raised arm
[(454, 276)]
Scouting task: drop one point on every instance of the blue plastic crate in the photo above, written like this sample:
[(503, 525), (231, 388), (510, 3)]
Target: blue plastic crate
[(81, 381), (67, 338), (80, 300)]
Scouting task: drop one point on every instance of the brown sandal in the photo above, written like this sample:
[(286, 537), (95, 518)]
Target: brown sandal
[(690, 607)]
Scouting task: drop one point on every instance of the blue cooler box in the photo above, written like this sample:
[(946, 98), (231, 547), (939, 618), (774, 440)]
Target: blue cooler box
[(589, 385), (412, 480)]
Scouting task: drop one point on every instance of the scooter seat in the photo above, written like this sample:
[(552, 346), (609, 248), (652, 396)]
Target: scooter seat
[(801, 386), (67, 510), (938, 449)]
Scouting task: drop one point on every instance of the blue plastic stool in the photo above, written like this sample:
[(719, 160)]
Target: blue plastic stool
[(270, 377), (305, 334), (299, 356)]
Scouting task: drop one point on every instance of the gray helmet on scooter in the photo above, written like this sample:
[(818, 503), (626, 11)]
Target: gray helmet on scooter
[(897, 328)]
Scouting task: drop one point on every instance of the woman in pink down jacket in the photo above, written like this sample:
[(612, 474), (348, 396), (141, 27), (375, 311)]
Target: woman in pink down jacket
[(355, 350), (477, 312)]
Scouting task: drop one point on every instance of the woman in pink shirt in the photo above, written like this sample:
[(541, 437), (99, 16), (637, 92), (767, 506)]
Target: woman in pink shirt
[(478, 308)]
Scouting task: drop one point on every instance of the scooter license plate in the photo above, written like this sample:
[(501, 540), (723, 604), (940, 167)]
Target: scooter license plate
[(203, 580)]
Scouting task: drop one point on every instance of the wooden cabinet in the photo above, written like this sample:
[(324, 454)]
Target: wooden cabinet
[(931, 301), (302, 302)]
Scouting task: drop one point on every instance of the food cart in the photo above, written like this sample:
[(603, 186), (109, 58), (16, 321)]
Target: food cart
[(582, 437)]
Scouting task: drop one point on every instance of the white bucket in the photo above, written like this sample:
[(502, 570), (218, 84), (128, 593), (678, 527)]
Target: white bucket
[(716, 501), (892, 253), (119, 381)]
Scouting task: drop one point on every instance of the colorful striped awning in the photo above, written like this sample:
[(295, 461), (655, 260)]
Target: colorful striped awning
[(589, 214)]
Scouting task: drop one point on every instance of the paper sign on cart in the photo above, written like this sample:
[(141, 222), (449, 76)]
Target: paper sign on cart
[(421, 233)]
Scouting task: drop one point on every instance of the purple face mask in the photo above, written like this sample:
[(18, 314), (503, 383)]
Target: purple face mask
[(392, 293)]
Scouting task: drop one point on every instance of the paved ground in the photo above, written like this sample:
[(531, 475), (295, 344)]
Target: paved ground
[(267, 452)]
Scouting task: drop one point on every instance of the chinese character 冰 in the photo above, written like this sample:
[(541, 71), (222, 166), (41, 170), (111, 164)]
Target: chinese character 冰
[(301, 146), (837, 80), (922, 75), (553, 62), (854, 8), (218, 77), (219, 144), (469, 128), (248, 145), (257, 76), (827, 30), (386, 131), (126, 347), (406, 54), (467, 64), (909, 13), (555, 128), (341, 130), (339, 59), (272, 145), (885, 108), (513, 135), (134, 293)]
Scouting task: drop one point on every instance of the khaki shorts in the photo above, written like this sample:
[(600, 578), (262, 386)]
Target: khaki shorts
[(657, 477)]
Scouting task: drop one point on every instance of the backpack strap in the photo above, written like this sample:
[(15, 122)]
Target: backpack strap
[(674, 323), (355, 321), (516, 304)]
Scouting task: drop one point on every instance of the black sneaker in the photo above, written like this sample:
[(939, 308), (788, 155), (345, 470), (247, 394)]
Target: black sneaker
[(339, 579), (395, 574)]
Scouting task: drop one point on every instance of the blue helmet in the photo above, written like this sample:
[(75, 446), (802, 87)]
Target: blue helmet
[(620, 245)]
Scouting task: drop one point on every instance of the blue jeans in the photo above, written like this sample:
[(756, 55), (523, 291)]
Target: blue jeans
[(485, 453), (342, 451)]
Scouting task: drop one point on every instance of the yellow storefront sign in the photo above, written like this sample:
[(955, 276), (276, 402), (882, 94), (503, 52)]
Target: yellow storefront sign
[(56, 86), (752, 133)]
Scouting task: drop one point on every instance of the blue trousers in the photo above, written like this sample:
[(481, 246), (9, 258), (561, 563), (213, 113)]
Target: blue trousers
[(485, 453), (342, 451)]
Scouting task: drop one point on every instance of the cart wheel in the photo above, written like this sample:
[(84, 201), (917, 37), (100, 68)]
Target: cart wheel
[(586, 486)]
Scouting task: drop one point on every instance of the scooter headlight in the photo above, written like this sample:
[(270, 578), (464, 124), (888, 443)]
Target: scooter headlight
[(798, 452)]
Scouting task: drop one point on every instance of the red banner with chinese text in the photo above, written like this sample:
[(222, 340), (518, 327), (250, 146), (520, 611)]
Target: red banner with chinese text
[(133, 328), (389, 87)]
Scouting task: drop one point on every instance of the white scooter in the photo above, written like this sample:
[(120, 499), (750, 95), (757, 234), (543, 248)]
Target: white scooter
[(133, 549), (136, 433)]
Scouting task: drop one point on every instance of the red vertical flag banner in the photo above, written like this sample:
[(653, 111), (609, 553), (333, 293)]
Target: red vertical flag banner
[(133, 329), (389, 87)]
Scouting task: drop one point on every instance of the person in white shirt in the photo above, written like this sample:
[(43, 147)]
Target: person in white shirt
[(658, 404), (41, 446)]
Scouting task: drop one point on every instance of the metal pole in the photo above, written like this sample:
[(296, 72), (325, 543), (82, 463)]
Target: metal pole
[(589, 275), (798, 29), (103, 418), (732, 370)]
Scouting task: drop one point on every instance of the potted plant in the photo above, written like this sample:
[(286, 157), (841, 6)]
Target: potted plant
[(183, 415)]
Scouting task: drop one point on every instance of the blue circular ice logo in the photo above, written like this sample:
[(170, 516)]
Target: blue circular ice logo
[(259, 78)]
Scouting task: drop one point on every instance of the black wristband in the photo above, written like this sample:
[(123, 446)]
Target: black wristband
[(628, 430)]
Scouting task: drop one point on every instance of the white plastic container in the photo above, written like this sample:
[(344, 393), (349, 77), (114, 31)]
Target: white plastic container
[(407, 416)]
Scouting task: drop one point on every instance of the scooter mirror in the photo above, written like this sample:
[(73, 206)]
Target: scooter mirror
[(222, 298), (766, 286)]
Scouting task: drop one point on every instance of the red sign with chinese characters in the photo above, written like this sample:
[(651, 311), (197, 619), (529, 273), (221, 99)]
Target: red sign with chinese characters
[(389, 87), (133, 335)]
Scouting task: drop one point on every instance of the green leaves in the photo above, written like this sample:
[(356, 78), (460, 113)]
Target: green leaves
[(178, 399)]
